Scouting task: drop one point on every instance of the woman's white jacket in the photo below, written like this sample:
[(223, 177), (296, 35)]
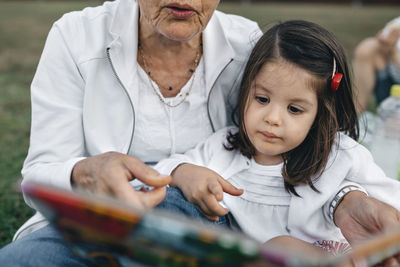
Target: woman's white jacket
[(83, 92)]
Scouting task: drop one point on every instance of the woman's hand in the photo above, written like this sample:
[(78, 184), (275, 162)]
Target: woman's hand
[(203, 187), (110, 173), (359, 217)]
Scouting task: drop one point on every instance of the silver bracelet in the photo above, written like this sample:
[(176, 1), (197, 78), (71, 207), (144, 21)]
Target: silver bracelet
[(339, 197)]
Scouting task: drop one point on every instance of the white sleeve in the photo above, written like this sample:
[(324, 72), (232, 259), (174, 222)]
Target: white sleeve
[(372, 178), (200, 155), (368, 176), (350, 164), (327, 204), (57, 140)]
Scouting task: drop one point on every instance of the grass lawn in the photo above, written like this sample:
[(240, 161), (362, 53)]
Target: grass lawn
[(23, 29)]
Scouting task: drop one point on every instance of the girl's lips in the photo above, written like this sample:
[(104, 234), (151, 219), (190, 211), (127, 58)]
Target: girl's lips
[(269, 135), (181, 12)]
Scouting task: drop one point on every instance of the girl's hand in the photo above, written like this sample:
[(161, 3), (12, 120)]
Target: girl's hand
[(110, 173), (203, 187)]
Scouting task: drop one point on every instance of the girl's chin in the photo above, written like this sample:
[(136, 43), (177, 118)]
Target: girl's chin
[(268, 159)]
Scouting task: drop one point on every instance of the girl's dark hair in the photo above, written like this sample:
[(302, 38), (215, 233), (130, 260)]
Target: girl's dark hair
[(313, 48)]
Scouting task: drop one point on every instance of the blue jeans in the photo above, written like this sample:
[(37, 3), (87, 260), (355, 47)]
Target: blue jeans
[(175, 202), (44, 247)]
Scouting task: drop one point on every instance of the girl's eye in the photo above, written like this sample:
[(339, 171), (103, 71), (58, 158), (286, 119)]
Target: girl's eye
[(262, 100), (294, 110)]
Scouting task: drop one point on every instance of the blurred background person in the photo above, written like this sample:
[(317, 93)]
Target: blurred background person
[(376, 65)]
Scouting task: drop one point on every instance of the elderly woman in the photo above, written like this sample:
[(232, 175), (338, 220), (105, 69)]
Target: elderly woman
[(120, 87), (134, 78)]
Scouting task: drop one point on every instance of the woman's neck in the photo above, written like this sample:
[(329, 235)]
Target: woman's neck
[(163, 48), (169, 63)]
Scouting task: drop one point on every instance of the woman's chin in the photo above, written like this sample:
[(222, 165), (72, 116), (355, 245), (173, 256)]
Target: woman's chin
[(181, 32)]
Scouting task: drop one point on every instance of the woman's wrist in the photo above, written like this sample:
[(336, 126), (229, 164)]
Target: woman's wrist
[(75, 173), (344, 199)]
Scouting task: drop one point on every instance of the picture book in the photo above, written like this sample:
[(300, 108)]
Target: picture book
[(107, 232)]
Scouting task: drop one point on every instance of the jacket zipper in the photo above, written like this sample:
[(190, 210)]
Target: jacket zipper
[(126, 92), (208, 100)]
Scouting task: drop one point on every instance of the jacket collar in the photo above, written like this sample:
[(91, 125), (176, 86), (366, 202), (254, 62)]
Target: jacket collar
[(125, 21), (124, 29), (217, 51), (123, 47)]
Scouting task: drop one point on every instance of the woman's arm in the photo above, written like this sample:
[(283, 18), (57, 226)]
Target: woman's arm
[(359, 216), (56, 141), (57, 153)]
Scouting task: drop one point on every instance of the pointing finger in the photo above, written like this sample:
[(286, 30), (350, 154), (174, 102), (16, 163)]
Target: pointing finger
[(229, 188), (215, 188), (145, 173)]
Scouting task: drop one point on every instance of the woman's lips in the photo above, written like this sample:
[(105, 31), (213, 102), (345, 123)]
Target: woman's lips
[(181, 12)]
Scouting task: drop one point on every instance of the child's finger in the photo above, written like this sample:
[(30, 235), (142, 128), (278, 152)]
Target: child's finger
[(229, 188), (212, 218), (213, 207), (207, 212), (215, 188)]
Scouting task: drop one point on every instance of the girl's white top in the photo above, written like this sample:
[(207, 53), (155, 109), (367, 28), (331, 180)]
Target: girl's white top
[(262, 210)]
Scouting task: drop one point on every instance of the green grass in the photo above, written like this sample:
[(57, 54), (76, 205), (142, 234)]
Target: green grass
[(23, 29), (350, 24)]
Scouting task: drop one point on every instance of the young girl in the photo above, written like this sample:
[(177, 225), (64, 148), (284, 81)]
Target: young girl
[(294, 146)]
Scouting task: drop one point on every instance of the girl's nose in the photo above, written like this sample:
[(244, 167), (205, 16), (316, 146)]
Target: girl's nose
[(273, 116)]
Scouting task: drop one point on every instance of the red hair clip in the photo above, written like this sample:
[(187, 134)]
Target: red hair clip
[(335, 82), (336, 77)]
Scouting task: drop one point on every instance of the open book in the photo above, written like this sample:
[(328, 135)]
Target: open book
[(109, 233)]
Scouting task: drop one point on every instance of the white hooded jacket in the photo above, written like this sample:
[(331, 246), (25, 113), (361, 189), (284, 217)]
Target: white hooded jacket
[(83, 93)]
